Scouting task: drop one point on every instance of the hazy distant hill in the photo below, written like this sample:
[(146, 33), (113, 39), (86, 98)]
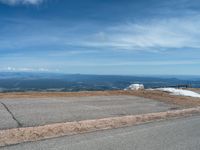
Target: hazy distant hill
[(24, 81)]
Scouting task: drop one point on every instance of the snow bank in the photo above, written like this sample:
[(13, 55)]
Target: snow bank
[(135, 87), (180, 92)]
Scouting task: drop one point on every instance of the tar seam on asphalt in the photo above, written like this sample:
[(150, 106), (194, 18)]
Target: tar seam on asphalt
[(18, 123)]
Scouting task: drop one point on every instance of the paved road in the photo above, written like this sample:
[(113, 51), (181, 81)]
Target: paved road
[(33, 112), (180, 134)]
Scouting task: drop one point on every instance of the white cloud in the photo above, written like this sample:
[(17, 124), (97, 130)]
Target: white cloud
[(25, 69), (160, 33), (10, 69), (17, 2)]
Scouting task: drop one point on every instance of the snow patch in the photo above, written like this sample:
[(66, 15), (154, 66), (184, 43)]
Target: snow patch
[(180, 92), (135, 87)]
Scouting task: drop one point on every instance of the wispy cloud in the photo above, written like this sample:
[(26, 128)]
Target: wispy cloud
[(23, 2), (152, 34)]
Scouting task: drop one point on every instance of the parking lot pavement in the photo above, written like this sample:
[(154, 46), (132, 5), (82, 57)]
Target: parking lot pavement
[(35, 111), (6, 120)]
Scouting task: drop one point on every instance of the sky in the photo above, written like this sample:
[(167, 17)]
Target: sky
[(123, 37)]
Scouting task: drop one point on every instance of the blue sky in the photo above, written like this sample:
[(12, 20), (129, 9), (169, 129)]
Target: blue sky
[(128, 37)]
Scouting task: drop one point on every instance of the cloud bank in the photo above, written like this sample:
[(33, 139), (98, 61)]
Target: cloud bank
[(21, 2), (25, 69)]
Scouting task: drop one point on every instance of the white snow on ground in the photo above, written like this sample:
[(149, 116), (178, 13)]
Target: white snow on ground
[(180, 92), (135, 87)]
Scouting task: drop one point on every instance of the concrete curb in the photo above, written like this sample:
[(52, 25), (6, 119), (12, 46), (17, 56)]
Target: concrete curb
[(19, 135)]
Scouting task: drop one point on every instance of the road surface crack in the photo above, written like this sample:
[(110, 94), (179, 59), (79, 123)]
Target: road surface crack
[(14, 118)]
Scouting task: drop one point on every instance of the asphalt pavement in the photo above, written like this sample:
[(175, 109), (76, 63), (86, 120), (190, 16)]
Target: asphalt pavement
[(27, 112), (177, 134), (6, 119)]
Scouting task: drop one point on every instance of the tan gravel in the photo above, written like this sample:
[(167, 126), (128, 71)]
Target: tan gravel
[(156, 95)]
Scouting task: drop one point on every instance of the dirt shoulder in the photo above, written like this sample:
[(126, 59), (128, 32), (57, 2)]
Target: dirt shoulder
[(195, 89), (156, 95)]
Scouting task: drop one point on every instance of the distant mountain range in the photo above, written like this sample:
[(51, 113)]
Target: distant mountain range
[(30, 81)]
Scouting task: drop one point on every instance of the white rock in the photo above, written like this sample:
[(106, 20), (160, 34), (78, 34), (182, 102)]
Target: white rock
[(135, 87)]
